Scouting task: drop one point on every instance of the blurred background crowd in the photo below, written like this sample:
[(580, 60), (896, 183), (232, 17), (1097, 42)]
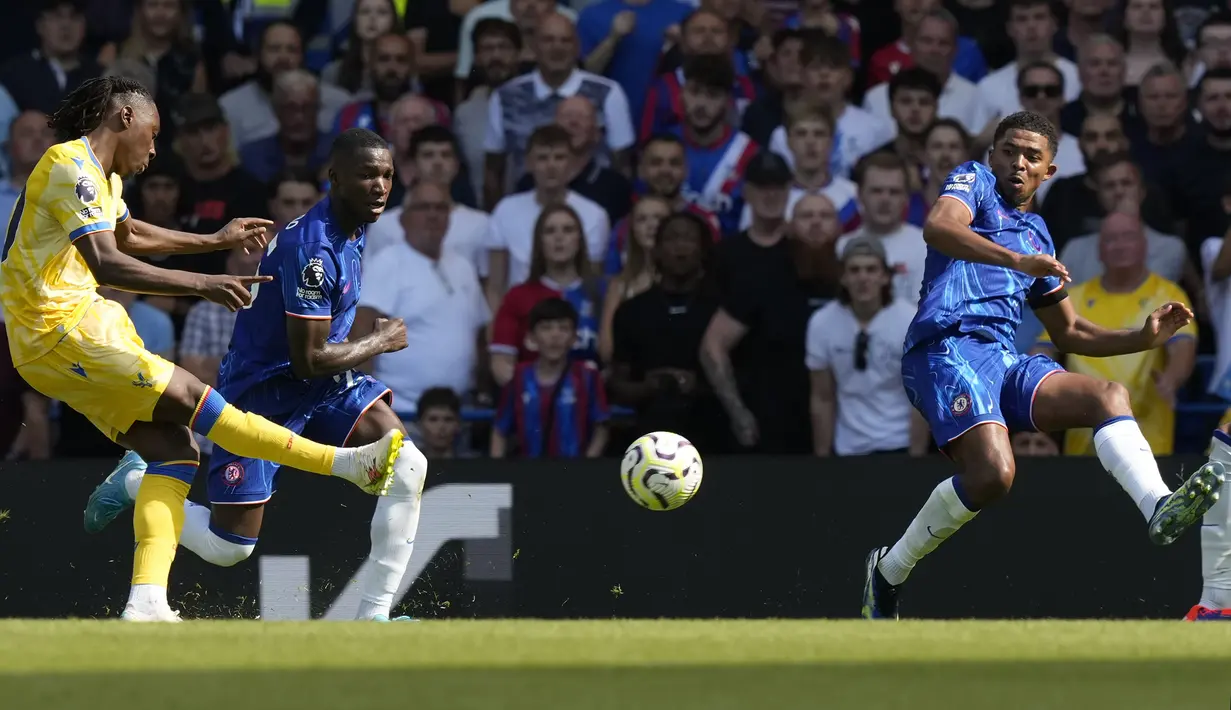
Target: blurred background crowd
[(619, 216)]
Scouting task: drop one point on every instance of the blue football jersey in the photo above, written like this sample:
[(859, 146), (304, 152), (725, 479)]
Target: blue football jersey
[(316, 275), (715, 178), (978, 298)]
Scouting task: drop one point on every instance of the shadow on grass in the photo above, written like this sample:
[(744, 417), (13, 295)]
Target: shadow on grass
[(915, 686)]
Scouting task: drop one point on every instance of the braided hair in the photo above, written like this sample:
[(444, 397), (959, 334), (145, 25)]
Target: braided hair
[(84, 110)]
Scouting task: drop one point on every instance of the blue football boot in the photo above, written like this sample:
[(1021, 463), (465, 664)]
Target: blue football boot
[(880, 598), (111, 497)]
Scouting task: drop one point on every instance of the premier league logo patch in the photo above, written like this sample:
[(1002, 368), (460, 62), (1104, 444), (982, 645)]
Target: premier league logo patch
[(86, 190), (233, 474), (313, 274), (961, 404)]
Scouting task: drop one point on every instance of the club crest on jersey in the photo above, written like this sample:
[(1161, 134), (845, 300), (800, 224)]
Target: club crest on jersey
[(233, 474), (961, 404), (86, 190)]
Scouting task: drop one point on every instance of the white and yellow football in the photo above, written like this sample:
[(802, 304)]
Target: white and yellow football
[(661, 471)]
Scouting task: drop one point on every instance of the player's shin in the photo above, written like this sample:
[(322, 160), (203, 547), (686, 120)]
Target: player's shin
[(1125, 453), (198, 535), (946, 510), (252, 436), (394, 526), (158, 519)]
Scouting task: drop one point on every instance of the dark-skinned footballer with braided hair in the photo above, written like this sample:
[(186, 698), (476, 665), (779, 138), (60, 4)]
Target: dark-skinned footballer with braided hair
[(989, 255), (69, 233)]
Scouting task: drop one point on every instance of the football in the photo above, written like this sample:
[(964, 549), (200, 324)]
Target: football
[(661, 471)]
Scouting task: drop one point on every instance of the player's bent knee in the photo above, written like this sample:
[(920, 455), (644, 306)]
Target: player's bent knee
[(225, 552), (411, 475), (1115, 399), (990, 482)]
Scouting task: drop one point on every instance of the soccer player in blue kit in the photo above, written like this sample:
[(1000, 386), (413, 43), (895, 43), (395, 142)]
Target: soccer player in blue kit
[(987, 255), (290, 360)]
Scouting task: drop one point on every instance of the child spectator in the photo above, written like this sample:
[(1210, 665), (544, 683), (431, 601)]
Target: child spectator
[(554, 407), (438, 421)]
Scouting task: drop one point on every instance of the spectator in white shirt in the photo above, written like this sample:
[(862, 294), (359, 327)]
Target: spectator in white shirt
[(809, 143), (934, 46), (510, 241), (436, 293), (433, 157), (854, 353), (1032, 27), (884, 190), (1040, 87)]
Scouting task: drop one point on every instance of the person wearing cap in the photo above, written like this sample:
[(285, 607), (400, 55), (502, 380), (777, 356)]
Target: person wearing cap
[(214, 189), (762, 384), (854, 355)]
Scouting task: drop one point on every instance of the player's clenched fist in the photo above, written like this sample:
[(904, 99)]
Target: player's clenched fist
[(392, 332), (1041, 266), (231, 291)]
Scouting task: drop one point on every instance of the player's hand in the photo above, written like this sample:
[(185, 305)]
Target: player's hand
[(231, 291), (744, 426), (1164, 323), (252, 233), (1042, 265), (623, 24), (392, 332)]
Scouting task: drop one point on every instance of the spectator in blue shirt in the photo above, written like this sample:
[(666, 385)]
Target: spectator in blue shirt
[(298, 143)]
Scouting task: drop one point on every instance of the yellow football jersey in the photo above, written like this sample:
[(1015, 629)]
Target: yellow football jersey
[(45, 285), (1128, 311)]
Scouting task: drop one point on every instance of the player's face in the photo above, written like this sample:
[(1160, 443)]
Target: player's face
[(1040, 91), (1144, 16), (945, 150), (161, 18), (362, 182), (136, 148), (1021, 161), (1119, 188), (811, 142), (437, 162), (678, 253), (767, 202), (548, 165), (1101, 135), (440, 427), (291, 200), (1215, 104), (934, 46), (373, 18), (1164, 101), (883, 197), (913, 110), (647, 215), (556, 44), (1101, 69), (281, 50), (392, 64), (864, 278), (496, 56), (815, 221), (554, 338), (705, 33), (159, 199), (1031, 28), (663, 168), (561, 238), (704, 107)]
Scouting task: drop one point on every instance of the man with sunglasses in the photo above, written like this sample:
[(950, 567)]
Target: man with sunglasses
[(854, 355)]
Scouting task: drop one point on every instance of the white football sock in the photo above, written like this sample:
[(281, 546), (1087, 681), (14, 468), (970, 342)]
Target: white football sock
[(197, 535), (1125, 453), (941, 516), (394, 526), (1215, 540), (147, 595)]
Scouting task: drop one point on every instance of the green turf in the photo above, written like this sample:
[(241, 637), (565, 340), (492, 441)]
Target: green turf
[(633, 665)]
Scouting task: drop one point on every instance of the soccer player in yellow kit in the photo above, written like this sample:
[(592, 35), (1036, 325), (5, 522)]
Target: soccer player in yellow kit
[(70, 231)]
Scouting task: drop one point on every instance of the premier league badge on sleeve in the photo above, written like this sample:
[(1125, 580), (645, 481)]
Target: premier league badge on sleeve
[(313, 274), (86, 190)]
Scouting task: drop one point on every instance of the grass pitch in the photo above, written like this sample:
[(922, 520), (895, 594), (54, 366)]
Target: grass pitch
[(621, 665)]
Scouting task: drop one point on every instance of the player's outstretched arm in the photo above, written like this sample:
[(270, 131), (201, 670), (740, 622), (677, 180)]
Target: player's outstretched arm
[(312, 355), (112, 267), (142, 238), (947, 230), (1075, 335)]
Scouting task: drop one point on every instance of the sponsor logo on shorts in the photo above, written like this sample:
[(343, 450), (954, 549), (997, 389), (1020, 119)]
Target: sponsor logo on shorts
[(233, 474), (86, 190), (961, 404)]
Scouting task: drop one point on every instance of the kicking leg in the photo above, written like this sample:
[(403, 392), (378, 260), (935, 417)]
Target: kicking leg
[(1067, 400), (395, 521)]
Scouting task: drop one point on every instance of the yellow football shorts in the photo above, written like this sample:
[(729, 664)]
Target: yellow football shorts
[(102, 369)]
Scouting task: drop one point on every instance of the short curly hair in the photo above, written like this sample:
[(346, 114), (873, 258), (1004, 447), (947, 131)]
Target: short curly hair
[(1031, 122)]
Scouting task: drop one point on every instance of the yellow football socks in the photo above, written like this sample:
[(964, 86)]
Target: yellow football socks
[(248, 435), (158, 518)]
